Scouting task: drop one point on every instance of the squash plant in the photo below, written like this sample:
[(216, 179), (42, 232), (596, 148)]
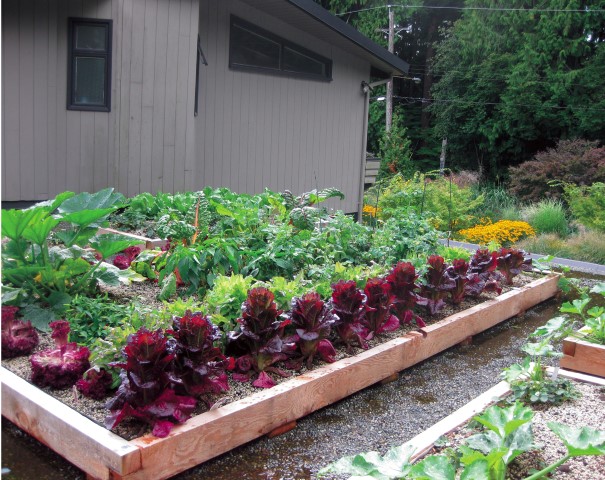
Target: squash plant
[(45, 264)]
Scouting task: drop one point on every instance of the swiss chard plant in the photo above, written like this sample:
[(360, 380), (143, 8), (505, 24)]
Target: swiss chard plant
[(62, 366), (377, 317), (145, 392), (511, 262), (348, 303), (312, 320), (199, 366), (436, 285), (259, 342), (18, 336), (405, 292)]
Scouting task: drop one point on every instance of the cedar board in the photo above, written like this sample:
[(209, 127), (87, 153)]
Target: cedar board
[(583, 356), (218, 431)]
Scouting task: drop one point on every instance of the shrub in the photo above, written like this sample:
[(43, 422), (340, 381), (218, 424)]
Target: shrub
[(395, 151), (443, 202), (587, 204), (577, 161), (502, 232), (547, 216), (498, 203)]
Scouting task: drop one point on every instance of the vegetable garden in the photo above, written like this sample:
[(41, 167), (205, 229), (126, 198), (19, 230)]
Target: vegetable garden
[(246, 289)]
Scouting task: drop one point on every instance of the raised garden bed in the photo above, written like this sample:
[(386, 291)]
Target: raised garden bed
[(103, 454), (583, 356)]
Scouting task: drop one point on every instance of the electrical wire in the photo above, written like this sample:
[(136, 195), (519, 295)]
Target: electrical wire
[(489, 9), (467, 102)]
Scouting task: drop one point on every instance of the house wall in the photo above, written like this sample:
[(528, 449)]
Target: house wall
[(146, 142), (257, 130)]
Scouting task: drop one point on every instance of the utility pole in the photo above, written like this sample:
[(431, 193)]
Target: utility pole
[(389, 99)]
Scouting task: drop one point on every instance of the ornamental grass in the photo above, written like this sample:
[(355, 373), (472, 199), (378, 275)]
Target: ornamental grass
[(504, 232)]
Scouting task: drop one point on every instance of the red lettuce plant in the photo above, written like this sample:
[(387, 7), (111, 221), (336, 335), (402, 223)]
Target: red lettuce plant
[(124, 259), (96, 383), (377, 317), (348, 303), (18, 337), (484, 263), (62, 366), (313, 320), (403, 288), (145, 392), (512, 262), (436, 285), (199, 367), (465, 283), (259, 343)]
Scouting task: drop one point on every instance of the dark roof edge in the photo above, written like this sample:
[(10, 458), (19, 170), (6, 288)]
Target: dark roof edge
[(319, 13)]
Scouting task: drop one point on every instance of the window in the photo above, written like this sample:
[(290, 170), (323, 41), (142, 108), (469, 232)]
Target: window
[(89, 65), (255, 49)]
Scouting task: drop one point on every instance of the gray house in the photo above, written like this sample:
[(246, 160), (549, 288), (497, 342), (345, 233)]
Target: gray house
[(174, 95)]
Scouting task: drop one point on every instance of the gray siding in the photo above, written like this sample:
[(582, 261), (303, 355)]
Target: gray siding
[(146, 142), (257, 130)]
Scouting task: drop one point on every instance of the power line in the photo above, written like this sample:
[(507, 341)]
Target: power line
[(489, 9), (467, 102)]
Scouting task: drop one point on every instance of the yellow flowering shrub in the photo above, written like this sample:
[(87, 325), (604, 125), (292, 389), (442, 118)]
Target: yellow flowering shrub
[(503, 232)]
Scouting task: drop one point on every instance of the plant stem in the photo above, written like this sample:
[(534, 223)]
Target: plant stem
[(548, 469)]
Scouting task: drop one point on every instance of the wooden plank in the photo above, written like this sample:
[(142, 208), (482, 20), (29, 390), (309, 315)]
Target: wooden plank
[(583, 357), (26, 99), (581, 377), (159, 98), (41, 120), (125, 46), (169, 133), (87, 445), (11, 184), (135, 98)]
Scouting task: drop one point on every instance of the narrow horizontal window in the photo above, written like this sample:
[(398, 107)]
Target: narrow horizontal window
[(253, 48), (89, 64)]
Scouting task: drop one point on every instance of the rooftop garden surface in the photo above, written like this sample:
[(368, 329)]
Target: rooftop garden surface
[(233, 265)]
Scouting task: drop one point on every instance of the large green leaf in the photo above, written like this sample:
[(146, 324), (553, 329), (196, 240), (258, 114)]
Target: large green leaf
[(40, 317), (14, 222), (478, 470), (84, 218), (168, 288), (394, 464), (39, 231), (434, 467), (504, 421), (540, 349), (101, 200), (580, 440), (109, 244), (599, 288), (554, 325)]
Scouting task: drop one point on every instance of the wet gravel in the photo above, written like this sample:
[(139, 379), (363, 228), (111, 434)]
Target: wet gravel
[(373, 419)]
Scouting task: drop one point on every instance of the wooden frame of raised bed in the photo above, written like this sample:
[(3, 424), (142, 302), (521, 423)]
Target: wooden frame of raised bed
[(583, 356), (104, 455)]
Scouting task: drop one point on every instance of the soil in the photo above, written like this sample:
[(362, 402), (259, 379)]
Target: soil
[(587, 411), (146, 293)]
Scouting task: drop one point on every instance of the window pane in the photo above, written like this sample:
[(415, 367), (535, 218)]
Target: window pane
[(251, 49), (299, 62), (89, 81), (91, 37)]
